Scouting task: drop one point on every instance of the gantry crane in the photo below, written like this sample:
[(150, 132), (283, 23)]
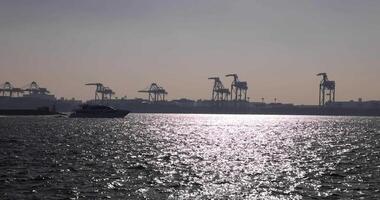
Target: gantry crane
[(7, 89), (326, 89), (238, 88), (34, 88), (102, 92), (219, 92), (155, 92)]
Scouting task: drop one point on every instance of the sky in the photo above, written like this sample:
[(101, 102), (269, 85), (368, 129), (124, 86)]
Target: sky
[(277, 46)]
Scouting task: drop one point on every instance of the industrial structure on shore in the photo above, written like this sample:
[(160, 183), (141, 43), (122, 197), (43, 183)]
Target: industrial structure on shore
[(238, 91), (232, 99), (155, 93), (32, 96), (7, 89), (326, 90), (102, 92)]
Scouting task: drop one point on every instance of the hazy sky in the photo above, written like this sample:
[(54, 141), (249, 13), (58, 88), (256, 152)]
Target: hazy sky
[(277, 46)]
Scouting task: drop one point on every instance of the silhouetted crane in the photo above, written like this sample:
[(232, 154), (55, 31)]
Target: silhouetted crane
[(101, 92), (7, 89), (155, 92), (34, 88), (326, 88), (238, 88), (219, 93)]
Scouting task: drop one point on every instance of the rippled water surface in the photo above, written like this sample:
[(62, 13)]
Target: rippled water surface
[(159, 156)]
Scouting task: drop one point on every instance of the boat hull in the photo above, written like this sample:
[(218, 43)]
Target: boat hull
[(117, 114), (27, 112)]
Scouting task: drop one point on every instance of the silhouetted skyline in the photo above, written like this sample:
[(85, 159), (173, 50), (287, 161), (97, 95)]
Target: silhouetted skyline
[(277, 47)]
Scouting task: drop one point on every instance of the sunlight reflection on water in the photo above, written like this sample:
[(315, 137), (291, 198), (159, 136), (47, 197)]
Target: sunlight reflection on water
[(160, 156)]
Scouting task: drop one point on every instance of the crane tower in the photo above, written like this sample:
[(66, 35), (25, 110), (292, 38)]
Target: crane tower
[(7, 89), (326, 90), (219, 92), (238, 88), (34, 88), (155, 92), (102, 92)]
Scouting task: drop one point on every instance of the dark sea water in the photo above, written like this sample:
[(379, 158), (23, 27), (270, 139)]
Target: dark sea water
[(175, 156)]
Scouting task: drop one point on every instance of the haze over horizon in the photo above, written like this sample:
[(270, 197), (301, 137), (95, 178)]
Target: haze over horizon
[(278, 47)]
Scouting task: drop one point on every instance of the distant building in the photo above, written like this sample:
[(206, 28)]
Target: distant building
[(355, 104)]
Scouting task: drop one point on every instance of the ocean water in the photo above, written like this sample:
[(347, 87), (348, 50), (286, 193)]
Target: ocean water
[(176, 156)]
